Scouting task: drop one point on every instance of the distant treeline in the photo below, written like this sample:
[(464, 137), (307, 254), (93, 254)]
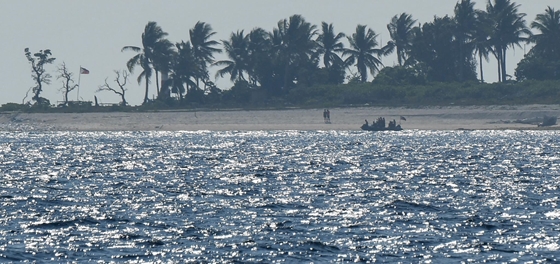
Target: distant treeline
[(298, 63)]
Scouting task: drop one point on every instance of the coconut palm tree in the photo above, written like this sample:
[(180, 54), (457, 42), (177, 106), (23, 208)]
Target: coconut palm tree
[(237, 50), (329, 45), (509, 30), (364, 51), (185, 70), (542, 62), (547, 42), (203, 46), (146, 74), (481, 39), (260, 59), (153, 39), (400, 30), (465, 19), (294, 38), (294, 45), (465, 26), (164, 52), (435, 49)]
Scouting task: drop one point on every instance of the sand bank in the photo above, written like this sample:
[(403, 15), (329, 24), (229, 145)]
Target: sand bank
[(425, 118)]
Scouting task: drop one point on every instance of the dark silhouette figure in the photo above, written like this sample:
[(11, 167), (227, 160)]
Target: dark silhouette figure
[(379, 125)]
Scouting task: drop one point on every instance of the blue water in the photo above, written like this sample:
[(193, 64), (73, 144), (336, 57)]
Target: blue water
[(280, 196)]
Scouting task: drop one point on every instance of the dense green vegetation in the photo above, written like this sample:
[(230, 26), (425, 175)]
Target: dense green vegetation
[(300, 64)]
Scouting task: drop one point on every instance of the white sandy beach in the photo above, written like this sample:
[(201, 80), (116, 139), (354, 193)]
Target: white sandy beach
[(427, 118)]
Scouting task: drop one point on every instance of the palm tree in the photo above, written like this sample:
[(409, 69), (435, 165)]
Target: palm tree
[(294, 44), (548, 40), (465, 19), (146, 74), (364, 52), (203, 47), (481, 39), (153, 39), (260, 61), (329, 44), (509, 30), (435, 47), (400, 30), (185, 69), (237, 50), (465, 26), (164, 52), (542, 62)]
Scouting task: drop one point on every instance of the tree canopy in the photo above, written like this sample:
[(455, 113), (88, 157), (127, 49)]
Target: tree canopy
[(266, 64)]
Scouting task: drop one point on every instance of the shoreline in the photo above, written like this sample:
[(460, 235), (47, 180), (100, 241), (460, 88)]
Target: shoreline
[(492, 117)]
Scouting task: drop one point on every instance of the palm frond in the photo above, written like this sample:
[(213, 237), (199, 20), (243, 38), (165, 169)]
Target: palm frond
[(133, 48)]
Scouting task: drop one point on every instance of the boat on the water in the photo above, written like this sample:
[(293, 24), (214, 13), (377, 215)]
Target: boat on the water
[(379, 125)]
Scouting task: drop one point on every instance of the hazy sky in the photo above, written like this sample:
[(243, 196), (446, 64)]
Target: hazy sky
[(92, 33)]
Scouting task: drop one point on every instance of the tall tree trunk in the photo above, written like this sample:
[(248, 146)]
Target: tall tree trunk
[(157, 83), (461, 61), (400, 56), (481, 73), (181, 94), (146, 94), (499, 58), (504, 74), (38, 92)]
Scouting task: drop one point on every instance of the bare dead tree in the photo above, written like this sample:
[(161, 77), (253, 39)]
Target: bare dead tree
[(68, 83), (121, 79)]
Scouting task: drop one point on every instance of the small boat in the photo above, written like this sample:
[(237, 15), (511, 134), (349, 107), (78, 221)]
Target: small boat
[(379, 125)]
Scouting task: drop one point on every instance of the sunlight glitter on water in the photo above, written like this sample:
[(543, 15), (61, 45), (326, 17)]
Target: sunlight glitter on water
[(295, 196)]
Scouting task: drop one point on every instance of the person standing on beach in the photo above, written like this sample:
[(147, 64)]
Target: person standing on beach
[(328, 116), (325, 115)]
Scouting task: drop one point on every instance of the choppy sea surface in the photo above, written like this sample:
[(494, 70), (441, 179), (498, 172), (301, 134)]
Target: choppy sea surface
[(280, 196)]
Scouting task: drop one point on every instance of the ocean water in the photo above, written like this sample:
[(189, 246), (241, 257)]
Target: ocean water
[(280, 196)]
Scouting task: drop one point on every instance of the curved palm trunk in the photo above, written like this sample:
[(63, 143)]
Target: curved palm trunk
[(146, 94), (504, 75), (400, 56), (499, 58), (461, 61), (157, 84), (480, 62)]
